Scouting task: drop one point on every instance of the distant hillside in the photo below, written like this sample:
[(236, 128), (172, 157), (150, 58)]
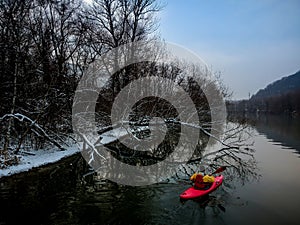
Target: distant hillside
[(279, 97), (280, 87)]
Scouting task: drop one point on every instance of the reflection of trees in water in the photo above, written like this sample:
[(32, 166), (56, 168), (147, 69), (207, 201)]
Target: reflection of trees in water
[(214, 202), (233, 150), (279, 128)]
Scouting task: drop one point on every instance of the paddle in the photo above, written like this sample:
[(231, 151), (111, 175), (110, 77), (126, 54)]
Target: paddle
[(219, 170)]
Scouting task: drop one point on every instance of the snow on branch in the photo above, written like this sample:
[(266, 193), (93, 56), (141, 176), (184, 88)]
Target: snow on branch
[(86, 140), (209, 134), (35, 127)]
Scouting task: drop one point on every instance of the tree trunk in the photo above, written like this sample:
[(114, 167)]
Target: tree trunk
[(12, 111)]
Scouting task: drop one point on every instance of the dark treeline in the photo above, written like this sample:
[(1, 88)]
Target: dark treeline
[(45, 47), (280, 97), (287, 103)]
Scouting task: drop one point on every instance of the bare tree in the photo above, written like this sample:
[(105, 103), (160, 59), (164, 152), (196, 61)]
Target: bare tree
[(15, 42), (39, 41), (45, 48)]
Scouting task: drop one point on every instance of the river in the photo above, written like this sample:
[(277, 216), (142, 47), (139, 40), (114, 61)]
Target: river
[(61, 194)]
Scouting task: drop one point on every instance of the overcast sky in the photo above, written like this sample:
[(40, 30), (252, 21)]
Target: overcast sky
[(252, 42)]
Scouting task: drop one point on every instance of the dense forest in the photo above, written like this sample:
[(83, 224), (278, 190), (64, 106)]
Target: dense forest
[(279, 97), (47, 46)]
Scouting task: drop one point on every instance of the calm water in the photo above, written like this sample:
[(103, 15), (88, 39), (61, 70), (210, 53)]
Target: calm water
[(59, 194)]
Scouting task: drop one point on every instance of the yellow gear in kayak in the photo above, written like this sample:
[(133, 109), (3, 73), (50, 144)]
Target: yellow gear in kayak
[(208, 179), (193, 177)]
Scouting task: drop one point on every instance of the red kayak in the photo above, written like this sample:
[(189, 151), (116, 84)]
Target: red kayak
[(193, 193)]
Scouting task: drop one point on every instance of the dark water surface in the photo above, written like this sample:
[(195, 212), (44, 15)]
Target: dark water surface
[(59, 194)]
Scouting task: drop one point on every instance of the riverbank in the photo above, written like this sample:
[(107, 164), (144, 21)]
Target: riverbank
[(34, 159), (29, 160), (38, 158)]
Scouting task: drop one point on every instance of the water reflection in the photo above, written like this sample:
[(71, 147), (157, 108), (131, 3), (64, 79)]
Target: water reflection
[(283, 130), (240, 157), (70, 193), (39, 198), (209, 201), (61, 194)]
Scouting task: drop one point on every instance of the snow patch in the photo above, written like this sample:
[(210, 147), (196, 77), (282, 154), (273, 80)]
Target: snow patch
[(40, 158)]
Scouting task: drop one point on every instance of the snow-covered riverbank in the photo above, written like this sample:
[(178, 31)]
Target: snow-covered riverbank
[(34, 159), (37, 158)]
